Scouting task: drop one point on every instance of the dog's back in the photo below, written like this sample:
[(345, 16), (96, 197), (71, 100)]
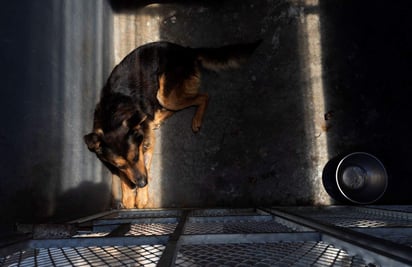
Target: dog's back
[(137, 75)]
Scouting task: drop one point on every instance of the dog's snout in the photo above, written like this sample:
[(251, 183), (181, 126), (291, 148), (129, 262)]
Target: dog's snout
[(142, 182)]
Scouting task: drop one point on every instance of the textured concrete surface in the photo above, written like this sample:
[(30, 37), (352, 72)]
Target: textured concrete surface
[(54, 55), (255, 147), (330, 77), (308, 95)]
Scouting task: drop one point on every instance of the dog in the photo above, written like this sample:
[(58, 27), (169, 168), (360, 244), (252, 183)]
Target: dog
[(145, 88)]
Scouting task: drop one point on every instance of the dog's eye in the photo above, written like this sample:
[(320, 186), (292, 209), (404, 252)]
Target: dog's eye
[(122, 167), (120, 164)]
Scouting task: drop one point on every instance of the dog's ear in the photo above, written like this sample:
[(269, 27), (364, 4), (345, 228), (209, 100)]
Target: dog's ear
[(93, 141)]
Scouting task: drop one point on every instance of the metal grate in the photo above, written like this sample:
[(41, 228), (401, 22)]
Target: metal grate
[(400, 208), (230, 237), (236, 227), (352, 217), (402, 236), (151, 229), (143, 255), (90, 234), (266, 254)]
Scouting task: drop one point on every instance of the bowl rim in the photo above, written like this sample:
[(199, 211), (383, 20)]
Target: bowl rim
[(342, 191)]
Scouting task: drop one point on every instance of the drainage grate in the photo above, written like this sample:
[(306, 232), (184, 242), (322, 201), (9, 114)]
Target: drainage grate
[(266, 254), (143, 255), (151, 229), (236, 227)]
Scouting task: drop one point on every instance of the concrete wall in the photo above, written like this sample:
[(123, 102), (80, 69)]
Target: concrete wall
[(325, 82), (330, 77), (54, 57)]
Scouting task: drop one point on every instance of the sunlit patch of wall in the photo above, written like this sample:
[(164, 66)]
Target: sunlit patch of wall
[(313, 93), (131, 29), (81, 70)]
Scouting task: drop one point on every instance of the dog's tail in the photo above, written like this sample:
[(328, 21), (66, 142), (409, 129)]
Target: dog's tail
[(225, 57)]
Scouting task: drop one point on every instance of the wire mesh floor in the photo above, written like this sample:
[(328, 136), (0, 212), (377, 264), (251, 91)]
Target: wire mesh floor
[(144, 255), (266, 254), (223, 237)]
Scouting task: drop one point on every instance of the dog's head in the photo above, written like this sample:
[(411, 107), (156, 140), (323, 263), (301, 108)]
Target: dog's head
[(118, 139)]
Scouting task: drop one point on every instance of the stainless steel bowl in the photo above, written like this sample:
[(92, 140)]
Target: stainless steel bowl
[(361, 178)]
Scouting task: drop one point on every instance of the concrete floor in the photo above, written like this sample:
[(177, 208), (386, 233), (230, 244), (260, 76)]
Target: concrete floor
[(316, 89), (330, 77), (238, 157)]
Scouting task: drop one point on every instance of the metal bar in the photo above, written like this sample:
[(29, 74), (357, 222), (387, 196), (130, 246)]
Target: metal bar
[(133, 221), (225, 212), (168, 257), (92, 217), (98, 241), (145, 213), (230, 218), (369, 243), (249, 238)]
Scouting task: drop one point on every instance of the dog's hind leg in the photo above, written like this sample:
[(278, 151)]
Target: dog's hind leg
[(184, 96), (201, 102)]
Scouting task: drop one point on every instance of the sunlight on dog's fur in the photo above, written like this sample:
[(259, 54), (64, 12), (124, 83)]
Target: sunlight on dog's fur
[(144, 89)]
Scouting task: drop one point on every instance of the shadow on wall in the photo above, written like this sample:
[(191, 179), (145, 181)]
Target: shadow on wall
[(54, 57), (367, 62), (35, 205)]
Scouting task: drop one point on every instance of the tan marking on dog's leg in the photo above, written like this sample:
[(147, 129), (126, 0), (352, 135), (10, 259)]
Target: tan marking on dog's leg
[(183, 96), (142, 194), (116, 192), (160, 116), (149, 144), (142, 197), (128, 196)]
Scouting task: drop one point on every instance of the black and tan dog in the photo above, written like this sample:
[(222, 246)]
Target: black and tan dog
[(148, 86)]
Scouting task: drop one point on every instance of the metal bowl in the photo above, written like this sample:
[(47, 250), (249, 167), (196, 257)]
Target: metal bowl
[(361, 178)]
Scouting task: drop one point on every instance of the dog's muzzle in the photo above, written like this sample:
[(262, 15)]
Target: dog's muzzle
[(141, 182)]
